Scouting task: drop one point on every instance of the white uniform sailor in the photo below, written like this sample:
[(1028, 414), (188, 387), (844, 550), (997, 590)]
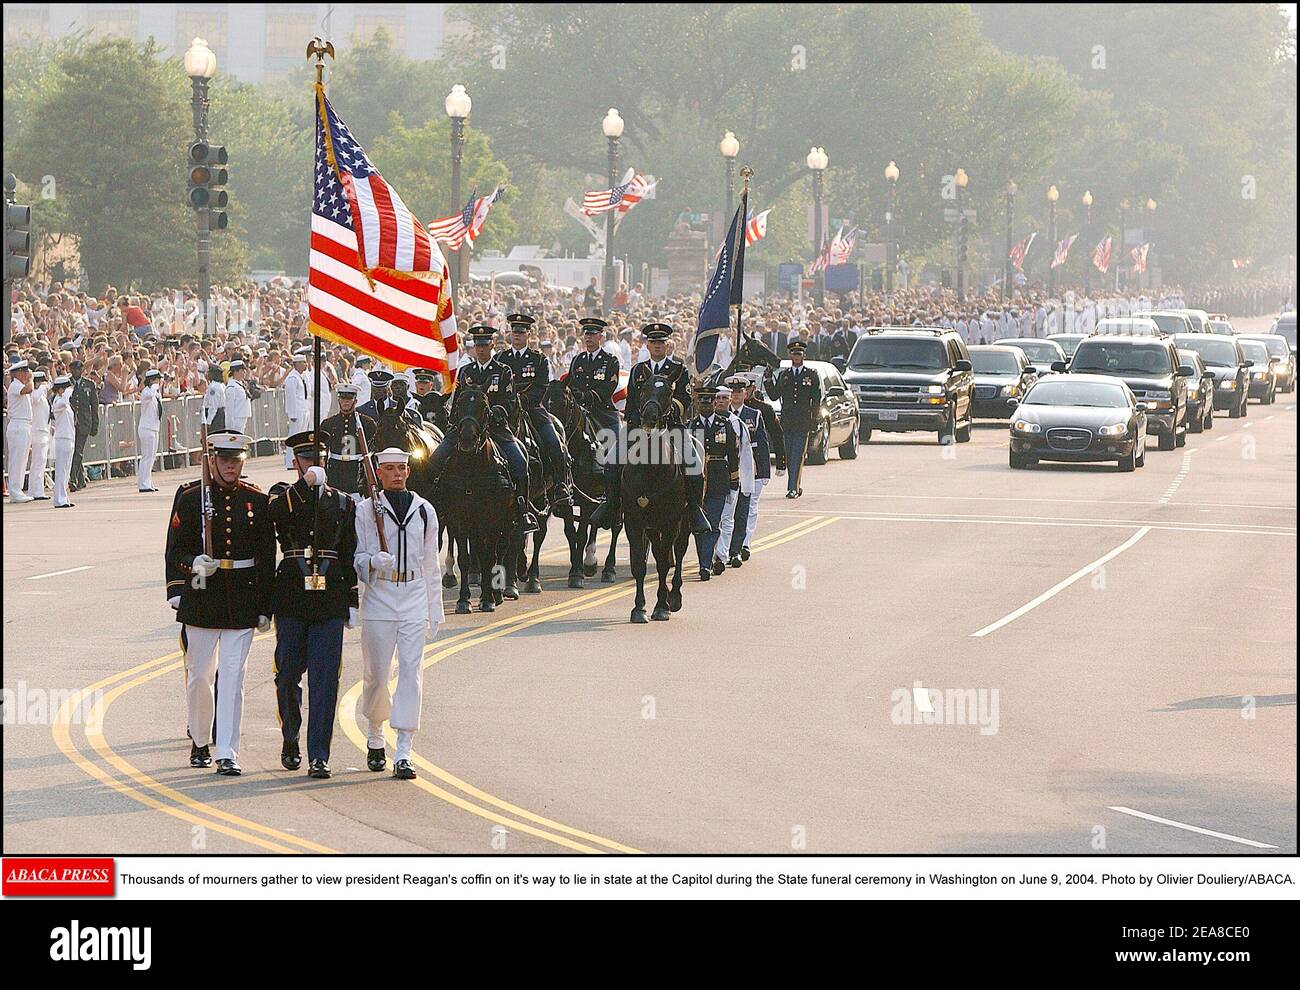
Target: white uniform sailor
[(146, 432), (65, 438), (401, 607), (40, 436), (361, 379), (18, 435), (297, 401), (722, 407), (238, 405)]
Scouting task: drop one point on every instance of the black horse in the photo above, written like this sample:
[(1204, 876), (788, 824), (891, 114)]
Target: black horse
[(654, 501), (476, 499), (579, 431), (752, 353)]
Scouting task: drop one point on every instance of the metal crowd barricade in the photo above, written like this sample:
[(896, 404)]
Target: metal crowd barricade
[(113, 450)]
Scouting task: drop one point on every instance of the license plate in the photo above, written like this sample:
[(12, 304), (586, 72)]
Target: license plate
[(888, 414)]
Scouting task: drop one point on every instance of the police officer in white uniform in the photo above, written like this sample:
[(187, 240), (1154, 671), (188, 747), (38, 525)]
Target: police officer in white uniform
[(146, 432), (400, 609), (18, 437), (239, 407), (297, 401), (40, 436), (65, 438)]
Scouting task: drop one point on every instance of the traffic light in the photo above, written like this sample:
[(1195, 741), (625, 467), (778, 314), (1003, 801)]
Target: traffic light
[(207, 178), (17, 233)]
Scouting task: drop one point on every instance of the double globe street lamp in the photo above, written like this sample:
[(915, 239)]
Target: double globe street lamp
[(612, 127), (817, 161), (458, 105)]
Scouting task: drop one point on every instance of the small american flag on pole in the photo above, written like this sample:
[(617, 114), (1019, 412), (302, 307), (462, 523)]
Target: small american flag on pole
[(1101, 256), (622, 197), (376, 282), (453, 230), (1063, 250), (1140, 257), (841, 249), (1017, 254), (755, 231)]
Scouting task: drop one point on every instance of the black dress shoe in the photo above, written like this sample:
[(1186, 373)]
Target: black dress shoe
[(228, 768), (67, 505), (375, 759), (403, 770), (719, 568), (319, 769), (744, 553), (705, 574), (791, 494), (199, 755), (735, 560), (290, 756), (40, 498)]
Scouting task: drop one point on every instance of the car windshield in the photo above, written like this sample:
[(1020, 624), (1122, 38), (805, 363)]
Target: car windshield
[(1191, 359), (994, 362), (1254, 351), (1221, 328), (1286, 329), (1060, 391), (1038, 350), (1213, 351), (1276, 346), (1169, 323), (910, 353), (1120, 359), (1141, 327), (1068, 344)]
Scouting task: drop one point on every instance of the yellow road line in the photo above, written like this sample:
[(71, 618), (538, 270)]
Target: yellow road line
[(439, 651)]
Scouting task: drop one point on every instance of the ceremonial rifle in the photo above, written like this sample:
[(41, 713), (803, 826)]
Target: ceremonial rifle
[(205, 490), (372, 483)]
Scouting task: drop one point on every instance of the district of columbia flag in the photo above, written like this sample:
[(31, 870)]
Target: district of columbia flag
[(377, 281)]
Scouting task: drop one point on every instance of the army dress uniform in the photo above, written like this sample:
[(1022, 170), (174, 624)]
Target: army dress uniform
[(800, 392), (222, 601), (342, 436), (593, 380), (721, 473), (315, 596), (532, 373)]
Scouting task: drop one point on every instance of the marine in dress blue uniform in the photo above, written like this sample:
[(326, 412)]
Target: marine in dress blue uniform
[(315, 597)]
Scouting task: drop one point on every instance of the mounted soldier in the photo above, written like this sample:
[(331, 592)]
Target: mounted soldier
[(531, 374)]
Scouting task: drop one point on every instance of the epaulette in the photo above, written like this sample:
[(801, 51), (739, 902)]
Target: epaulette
[(250, 486), (278, 489), (187, 485)]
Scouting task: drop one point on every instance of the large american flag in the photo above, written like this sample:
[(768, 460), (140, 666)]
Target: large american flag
[(1101, 256), (622, 197), (1063, 250), (377, 282), (1017, 255), (453, 230), (1139, 255)]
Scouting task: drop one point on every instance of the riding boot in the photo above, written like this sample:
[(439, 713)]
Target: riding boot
[(695, 513), (527, 521), (609, 514)]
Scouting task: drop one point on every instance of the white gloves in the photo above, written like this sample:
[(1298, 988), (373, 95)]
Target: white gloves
[(780, 472), (174, 602), (205, 565), (383, 561), (352, 619), (314, 476), (431, 632), (263, 623)]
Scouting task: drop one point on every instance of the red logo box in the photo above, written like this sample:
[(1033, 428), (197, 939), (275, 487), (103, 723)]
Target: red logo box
[(58, 878)]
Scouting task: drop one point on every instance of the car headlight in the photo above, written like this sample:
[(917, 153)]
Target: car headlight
[(1024, 426), (1230, 384), (1260, 375), (933, 390), (1193, 393), (1010, 390), (1114, 430)]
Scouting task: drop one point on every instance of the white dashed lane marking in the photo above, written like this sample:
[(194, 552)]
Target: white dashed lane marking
[(1178, 479)]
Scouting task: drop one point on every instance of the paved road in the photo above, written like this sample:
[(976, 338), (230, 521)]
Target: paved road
[(780, 711)]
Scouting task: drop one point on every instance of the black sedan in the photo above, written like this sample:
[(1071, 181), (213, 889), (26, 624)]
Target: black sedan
[(1263, 370), (1001, 373), (1280, 351), (1079, 418), (1225, 361), (1200, 391)]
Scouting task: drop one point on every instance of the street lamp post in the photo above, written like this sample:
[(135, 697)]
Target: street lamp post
[(201, 66), (458, 105), (961, 179), (1053, 194), (1150, 222), (612, 127), (1087, 239), (1006, 264), (730, 148), (1123, 219), (891, 260), (817, 162)]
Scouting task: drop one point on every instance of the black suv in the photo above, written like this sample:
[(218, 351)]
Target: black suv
[(1151, 368), (909, 379), (1225, 361)]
